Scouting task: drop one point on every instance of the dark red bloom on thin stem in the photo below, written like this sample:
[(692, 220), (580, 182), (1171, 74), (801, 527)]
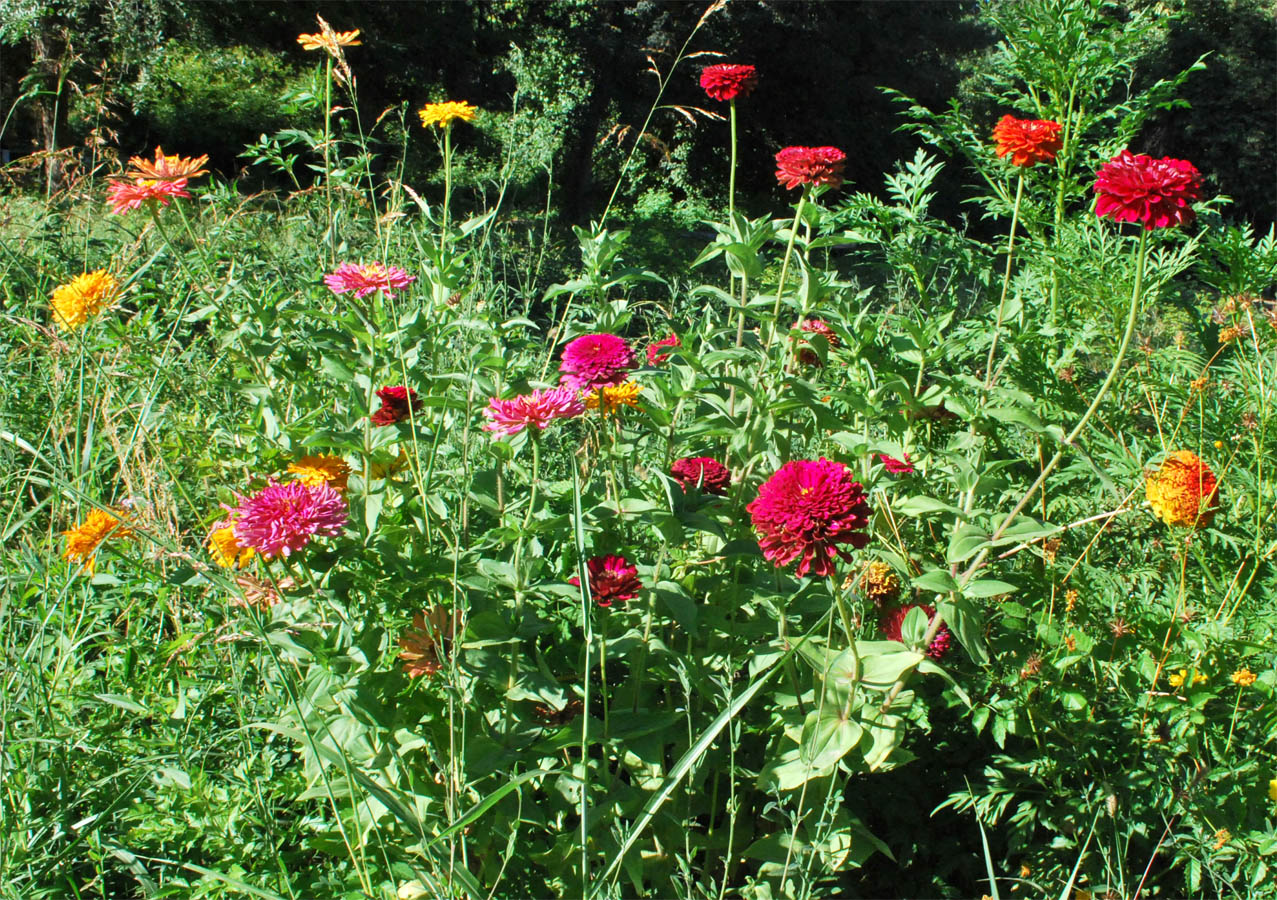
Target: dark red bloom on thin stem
[(712, 476), (655, 356), (806, 510), (396, 403), (806, 355), (1157, 193), (796, 166), (726, 81), (896, 466), (895, 618), (1028, 141), (612, 578), (594, 360)]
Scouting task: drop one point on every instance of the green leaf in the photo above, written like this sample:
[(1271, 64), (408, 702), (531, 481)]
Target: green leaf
[(937, 580), (988, 587)]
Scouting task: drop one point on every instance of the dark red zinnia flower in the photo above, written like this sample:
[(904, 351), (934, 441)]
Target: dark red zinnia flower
[(893, 619), (709, 473), (655, 356), (725, 81), (612, 578), (594, 360), (396, 402), (796, 166), (806, 510), (1157, 193), (807, 355), (1028, 141), (896, 466)]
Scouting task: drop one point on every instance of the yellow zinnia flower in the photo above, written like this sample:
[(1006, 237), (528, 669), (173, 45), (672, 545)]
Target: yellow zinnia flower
[(1244, 677), (1183, 490), (1272, 790), (442, 114), (226, 549), (83, 539), (613, 396), (83, 297), (878, 583), (316, 470)]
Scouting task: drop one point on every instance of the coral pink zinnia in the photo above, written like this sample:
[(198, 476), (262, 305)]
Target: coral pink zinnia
[(535, 410), (397, 404), (656, 352), (894, 619), (363, 279), (126, 195), (594, 360), (725, 81), (282, 518), (797, 166), (806, 510), (612, 578), (712, 476), (1028, 141), (1156, 193)]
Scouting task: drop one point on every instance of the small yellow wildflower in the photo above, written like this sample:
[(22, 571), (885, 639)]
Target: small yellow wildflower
[(1181, 677), (316, 470), (1244, 677), (83, 539), (1070, 599), (1272, 790), (442, 114), (226, 549), (614, 396), (83, 297), (1221, 838)]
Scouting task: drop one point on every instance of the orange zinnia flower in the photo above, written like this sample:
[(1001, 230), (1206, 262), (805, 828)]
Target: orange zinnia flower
[(1183, 490), (167, 168), (424, 644), (1028, 141), (327, 39), (84, 539)]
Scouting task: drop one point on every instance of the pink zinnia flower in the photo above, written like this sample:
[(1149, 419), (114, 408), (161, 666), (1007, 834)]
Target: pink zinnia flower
[(363, 279), (710, 474), (806, 510), (126, 195), (726, 81), (655, 356), (797, 166), (896, 466), (594, 360), (397, 405), (1154, 192), (895, 618), (612, 578), (535, 410), (807, 355), (282, 518)]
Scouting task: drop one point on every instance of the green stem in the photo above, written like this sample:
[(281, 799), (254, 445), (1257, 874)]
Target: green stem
[(731, 177), (784, 269), (328, 134), (447, 184), (1006, 283)]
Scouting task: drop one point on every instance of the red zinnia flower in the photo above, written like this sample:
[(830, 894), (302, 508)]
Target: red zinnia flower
[(396, 404), (808, 356), (1154, 192), (806, 510), (725, 81), (364, 279), (594, 360), (655, 356), (126, 195), (896, 466), (892, 621), (612, 578), (1029, 141), (710, 474), (534, 410), (282, 518), (810, 165)]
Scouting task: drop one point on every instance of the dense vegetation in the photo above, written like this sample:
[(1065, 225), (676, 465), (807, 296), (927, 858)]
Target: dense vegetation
[(904, 534)]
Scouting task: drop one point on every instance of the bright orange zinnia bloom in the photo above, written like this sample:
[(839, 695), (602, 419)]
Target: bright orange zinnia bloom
[(613, 396), (82, 298), (1183, 490), (322, 469), (327, 39), (167, 168), (1028, 141), (226, 549), (84, 539)]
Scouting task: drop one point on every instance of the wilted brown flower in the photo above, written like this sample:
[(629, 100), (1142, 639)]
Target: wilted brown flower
[(1222, 837), (1119, 627), (424, 643), (1249, 422), (1032, 666), (1050, 549), (1067, 374)]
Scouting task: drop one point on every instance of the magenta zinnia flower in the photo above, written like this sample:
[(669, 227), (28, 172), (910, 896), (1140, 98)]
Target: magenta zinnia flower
[(896, 466), (796, 166), (1156, 193), (895, 618), (126, 195), (364, 279), (282, 518), (535, 410), (806, 510), (612, 578), (710, 474), (806, 355), (656, 353), (726, 81), (594, 360), (397, 405)]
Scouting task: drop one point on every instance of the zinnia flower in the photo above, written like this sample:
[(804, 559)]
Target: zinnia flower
[(1182, 676), (1272, 790), (805, 511), (126, 195), (84, 539), (397, 405), (442, 114), (612, 397), (711, 475), (327, 39), (1244, 677), (1182, 490), (1028, 141), (226, 549), (612, 578), (83, 297), (1154, 192), (593, 360), (322, 469), (893, 620), (797, 166), (424, 643), (896, 466), (535, 410), (806, 355), (878, 582), (363, 279), (725, 81), (167, 168), (656, 353), (282, 518)]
